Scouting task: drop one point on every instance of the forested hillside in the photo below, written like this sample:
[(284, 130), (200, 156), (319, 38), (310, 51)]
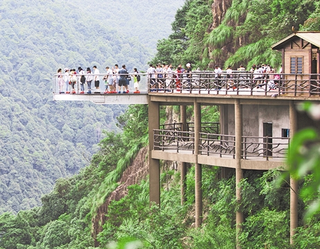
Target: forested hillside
[(234, 32), (42, 140), (80, 213)]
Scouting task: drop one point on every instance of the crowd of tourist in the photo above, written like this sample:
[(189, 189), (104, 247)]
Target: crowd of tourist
[(163, 76), (116, 80)]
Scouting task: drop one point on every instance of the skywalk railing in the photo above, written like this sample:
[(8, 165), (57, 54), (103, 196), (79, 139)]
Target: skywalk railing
[(204, 82), (221, 145), (64, 84)]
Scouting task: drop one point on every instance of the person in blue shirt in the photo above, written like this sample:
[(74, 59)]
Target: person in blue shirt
[(123, 79)]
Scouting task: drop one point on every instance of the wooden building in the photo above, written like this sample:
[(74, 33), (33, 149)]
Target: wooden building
[(301, 60)]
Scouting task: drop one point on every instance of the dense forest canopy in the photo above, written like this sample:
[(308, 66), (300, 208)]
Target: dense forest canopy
[(42, 140), (224, 32), (202, 34)]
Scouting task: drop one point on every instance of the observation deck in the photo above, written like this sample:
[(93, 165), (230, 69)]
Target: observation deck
[(243, 85), (258, 117), (274, 93)]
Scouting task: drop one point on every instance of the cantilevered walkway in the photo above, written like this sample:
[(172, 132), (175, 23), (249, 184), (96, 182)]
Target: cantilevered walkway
[(240, 84), (240, 141)]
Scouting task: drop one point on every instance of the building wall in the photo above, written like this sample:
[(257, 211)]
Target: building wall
[(306, 54), (253, 118)]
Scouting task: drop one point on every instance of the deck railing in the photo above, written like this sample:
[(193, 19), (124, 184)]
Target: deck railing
[(267, 147), (62, 85), (207, 127), (238, 83), (217, 144), (204, 82), (221, 145), (173, 140)]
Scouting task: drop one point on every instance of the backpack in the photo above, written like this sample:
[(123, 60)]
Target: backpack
[(82, 79), (138, 77)]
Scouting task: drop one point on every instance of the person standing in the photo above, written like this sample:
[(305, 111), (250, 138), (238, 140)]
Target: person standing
[(82, 79), (270, 84), (217, 75), (136, 80), (189, 74), (159, 73), (116, 73), (169, 77), (60, 80), (109, 81), (151, 76), (89, 79), (66, 78), (73, 79), (123, 76), (96, 77), (229, 77), (179, 78)]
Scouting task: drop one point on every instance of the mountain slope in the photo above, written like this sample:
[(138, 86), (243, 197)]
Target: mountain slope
[(43, 140)]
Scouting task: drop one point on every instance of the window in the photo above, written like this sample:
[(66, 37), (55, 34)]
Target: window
[(296, 65), (285, 133)]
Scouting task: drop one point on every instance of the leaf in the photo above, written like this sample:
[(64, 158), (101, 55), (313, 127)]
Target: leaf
[(297, 151)]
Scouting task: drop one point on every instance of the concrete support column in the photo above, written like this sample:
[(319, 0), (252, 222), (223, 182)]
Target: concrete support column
[(293, 183), (198, 167), (183, 120), (238, 148), (183, 117), (183, 182), (223, 109), (154, 164)]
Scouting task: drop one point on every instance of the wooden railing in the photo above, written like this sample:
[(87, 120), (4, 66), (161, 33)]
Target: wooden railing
[(238, 83), (267, 147), (217, 144), (208, 127), (221, 145), (173, 140)]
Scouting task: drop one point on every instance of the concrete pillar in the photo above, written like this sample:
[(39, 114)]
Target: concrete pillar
[(183, 117), (223, 109), (183, 182), (154, 164), (238, 149), (198, 167), (293, 183), (183, 120)]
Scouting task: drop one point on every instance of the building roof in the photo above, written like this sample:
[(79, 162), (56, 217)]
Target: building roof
[(312, 37)]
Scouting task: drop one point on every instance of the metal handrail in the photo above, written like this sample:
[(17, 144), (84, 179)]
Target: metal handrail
[(217, 144), (221, 145), (173, 140), (238, 83), (267, 147), (208, 127)]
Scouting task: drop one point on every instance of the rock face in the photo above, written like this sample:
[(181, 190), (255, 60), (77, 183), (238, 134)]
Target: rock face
[(219, 8), (136, 172), (232, 43)]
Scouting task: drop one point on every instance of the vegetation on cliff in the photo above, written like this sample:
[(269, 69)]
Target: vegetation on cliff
[(42, 140), (68, 215), (223, 32), (64, 219)]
